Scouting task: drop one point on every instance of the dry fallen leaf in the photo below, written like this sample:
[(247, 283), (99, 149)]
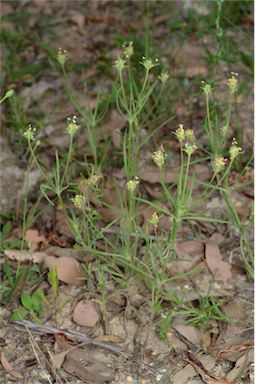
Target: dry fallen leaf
[(190, 332), (86, 314), (241, 366), (34, 239), (36, 91), (116, 121), (183, 376), (234, 349), (8, 367), (220, 269), (82, 364), (58, 359), (190, 58), (68, 269), (114, 126), (22, 256), (189, 254), (205, 375)]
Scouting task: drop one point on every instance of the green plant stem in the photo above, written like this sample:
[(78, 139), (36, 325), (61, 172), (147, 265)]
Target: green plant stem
[(206, 196), (209, 124), (145, 81), (36, 161), (69, 156)]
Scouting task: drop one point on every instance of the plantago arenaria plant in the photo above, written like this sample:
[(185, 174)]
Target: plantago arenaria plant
[(131, 102)]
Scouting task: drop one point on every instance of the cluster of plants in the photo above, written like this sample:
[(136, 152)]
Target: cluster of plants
[(130, 250)]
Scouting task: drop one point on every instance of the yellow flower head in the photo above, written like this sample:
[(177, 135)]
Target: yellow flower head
[(233, 83), (72, 126), (62, 56), (132, 184), (180, 133), (218, 164), (234, 150), (154, 220), (159, 157)]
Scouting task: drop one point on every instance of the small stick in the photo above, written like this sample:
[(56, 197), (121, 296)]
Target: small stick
[(73, 335)]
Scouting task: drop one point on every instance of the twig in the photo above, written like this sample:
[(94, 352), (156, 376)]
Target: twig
[(73, 335)]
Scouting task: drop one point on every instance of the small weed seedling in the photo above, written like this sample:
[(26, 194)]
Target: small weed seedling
[(34, 306)]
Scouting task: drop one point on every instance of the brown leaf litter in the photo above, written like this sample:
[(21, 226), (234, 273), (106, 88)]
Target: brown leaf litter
[(86, 314), (220, 269)]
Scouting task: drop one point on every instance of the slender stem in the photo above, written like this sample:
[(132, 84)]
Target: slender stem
[(185, 179), (209, 125), (206, 196), (69, 155), (36, 161), (145, 81)]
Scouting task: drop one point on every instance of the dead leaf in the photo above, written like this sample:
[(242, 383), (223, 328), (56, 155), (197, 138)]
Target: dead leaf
[(114, 125), (68, 269), (190, 332), (34, 239), (205, 375), (233, 349), (86, 314), (183, 376), (22, 256), (115, 122), (55, 240), (190, 58), (61, 224), (36, 91), (241, 366), (190, 253), (82, 364), (8, 367), (58, 359), (220, 269)]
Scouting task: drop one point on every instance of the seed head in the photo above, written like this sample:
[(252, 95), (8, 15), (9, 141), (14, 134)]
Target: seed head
[(190, 148), (154, 220), (62, 56), (128, 49), (206, 88), (120, 64), (72, 126), (149, 63), (132, 184), (29, 133), (218, 164), (190, 136), (79, 201), (232, 83), (234, 150), (164, 76), (180, 133), (159, 157)]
